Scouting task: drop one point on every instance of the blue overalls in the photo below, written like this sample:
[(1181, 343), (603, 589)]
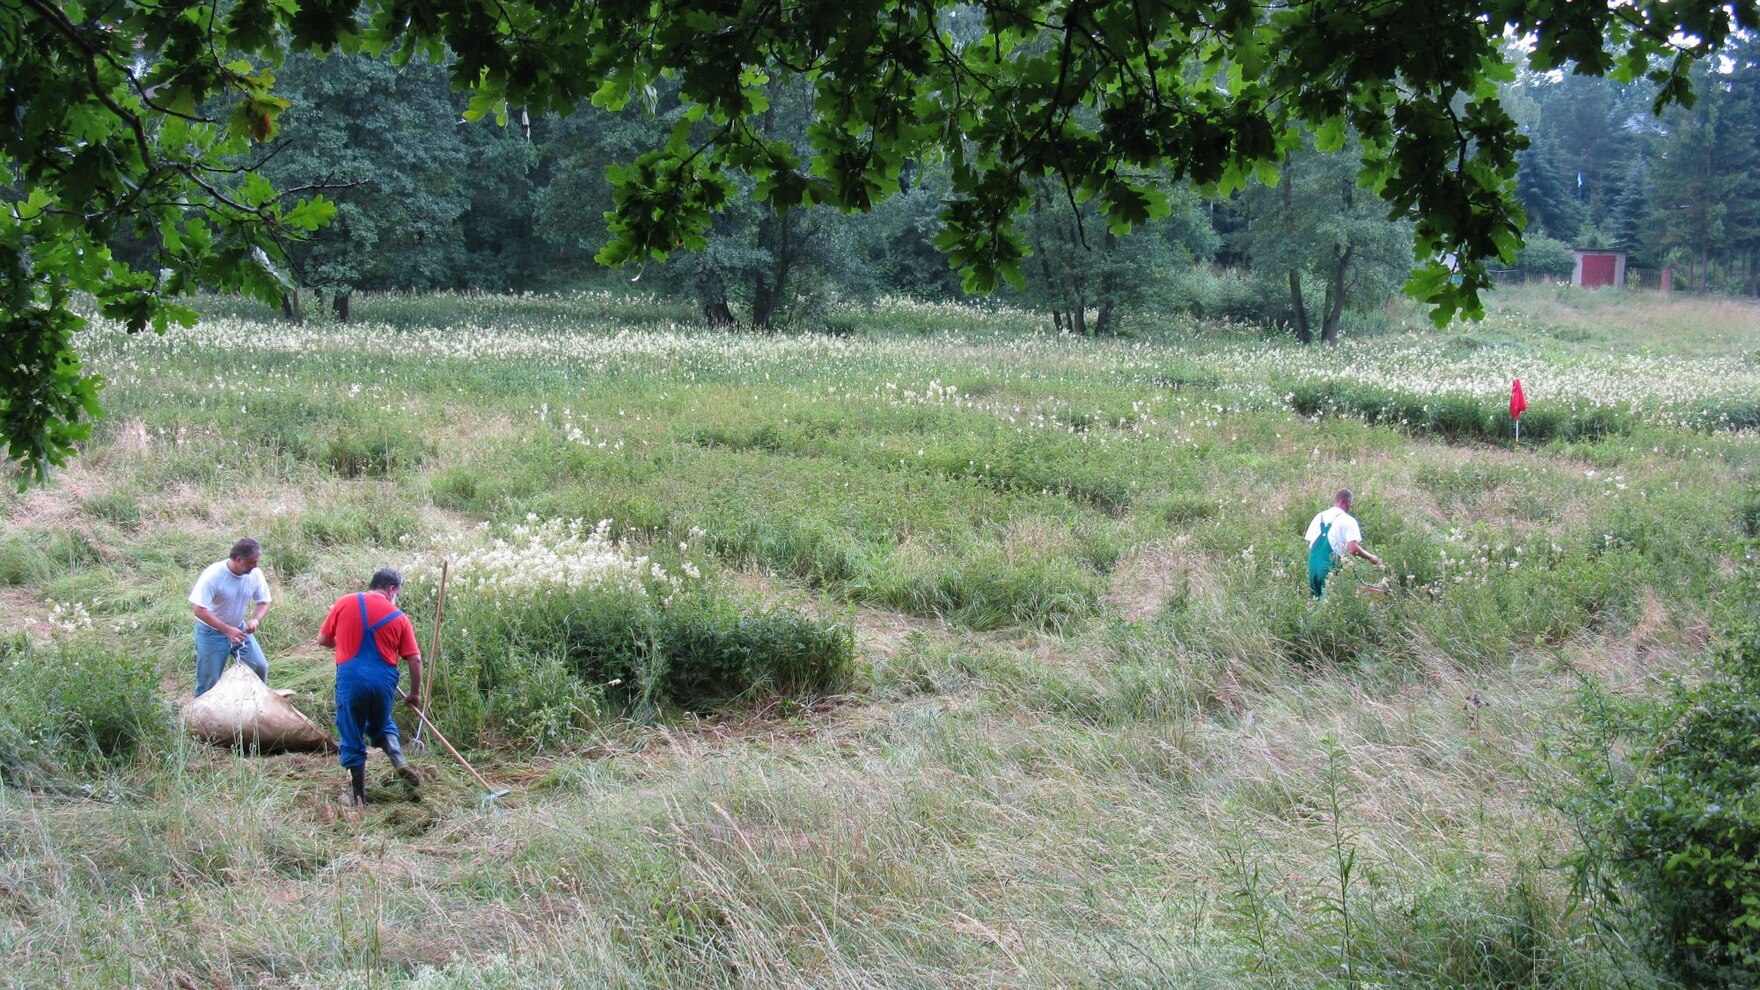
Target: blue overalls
[(366, 688)]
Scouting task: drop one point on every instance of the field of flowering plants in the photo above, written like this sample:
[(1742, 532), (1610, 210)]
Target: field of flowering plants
[(942, 650)]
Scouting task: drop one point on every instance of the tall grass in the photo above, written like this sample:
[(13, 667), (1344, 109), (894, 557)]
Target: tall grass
[(997, 666)]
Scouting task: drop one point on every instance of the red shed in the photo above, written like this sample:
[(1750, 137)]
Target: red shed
[(1597, 267)]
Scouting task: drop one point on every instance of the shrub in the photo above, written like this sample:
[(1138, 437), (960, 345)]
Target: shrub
[(547, 622), (1456, 417), (1679, 828), (1225, 295), (1341, 629), (1730, 414), (374, 451), (73, 706), (538, 703), (716, 648), (1545, 256)]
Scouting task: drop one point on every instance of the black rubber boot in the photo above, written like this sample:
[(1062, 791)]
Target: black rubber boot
[(394, 750), (357, 782)]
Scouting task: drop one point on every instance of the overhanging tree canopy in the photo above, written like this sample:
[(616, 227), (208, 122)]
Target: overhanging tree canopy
[(121, 115)]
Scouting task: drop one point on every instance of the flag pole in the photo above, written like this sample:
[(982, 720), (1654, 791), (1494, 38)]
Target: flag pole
[(1518, 403)]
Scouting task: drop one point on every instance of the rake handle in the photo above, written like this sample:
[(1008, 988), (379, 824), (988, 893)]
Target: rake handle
[(428, 669), (449, 747)]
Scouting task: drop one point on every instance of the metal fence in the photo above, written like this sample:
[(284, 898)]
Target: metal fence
[(1636, 278)]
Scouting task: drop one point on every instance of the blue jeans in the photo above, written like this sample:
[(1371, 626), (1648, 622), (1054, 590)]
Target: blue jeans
[(212, 646)]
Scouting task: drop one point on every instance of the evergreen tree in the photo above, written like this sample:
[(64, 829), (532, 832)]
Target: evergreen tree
[(1706, 178), (1625, 224), (1550, 200)]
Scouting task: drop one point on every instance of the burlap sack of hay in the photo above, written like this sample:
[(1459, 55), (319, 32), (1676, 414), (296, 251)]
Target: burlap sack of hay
[(241, 710)]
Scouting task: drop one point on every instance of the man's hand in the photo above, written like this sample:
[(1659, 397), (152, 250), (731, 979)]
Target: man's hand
[(414, 700), (236, 635), (250, 626)]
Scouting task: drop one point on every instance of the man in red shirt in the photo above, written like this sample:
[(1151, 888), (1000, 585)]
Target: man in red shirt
[(370, 634)]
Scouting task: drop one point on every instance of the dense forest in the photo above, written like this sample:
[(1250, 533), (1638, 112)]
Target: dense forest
[(430, 198)]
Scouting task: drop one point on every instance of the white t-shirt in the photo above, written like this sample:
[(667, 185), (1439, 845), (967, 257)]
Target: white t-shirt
[(1343, 533), (226, 594)]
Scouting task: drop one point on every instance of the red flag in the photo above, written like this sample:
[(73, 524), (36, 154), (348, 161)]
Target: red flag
[(1517, 401)]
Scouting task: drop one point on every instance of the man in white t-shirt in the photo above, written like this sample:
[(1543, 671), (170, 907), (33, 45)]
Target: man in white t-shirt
[(1342, 536), (224, 594)]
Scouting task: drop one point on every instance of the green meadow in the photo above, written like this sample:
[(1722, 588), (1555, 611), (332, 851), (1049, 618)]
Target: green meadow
[(932, 649)]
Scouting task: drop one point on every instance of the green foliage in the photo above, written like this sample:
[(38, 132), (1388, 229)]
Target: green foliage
[(1455, 417), (1670, 841), (24, 558), (717, 648), (1706, 198), (384, 136), (1544, 256), (74, 707), (1080, 266), (1322, 243), (986, 587), (537, 671), (375, 450), (1227, 295), (138, 126)]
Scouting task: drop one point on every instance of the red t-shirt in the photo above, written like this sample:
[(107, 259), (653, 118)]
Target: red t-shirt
[(396, 638)]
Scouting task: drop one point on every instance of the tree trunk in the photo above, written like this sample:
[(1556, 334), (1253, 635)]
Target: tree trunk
[(1078, 314), (1303, 334), (340, 305), (292, 307), (1108, 301), (1051, 289), (768, 294), (712, 296), (1335, 296), (717, 313)]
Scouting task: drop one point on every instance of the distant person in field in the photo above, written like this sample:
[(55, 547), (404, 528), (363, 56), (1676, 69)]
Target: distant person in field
[(226, 591), (1332, 535), (370, 635)]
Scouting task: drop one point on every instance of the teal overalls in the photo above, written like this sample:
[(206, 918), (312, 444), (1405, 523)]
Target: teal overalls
[(1321, 560), (366, 688)]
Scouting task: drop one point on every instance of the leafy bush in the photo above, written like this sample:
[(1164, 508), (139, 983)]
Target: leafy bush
[(377, 450), (73, 706), (1678, 829), (1456, 417), (1731, 414), (716, 648), (1342, 628), (1545, 256), (544, 625), (1227, 295)]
